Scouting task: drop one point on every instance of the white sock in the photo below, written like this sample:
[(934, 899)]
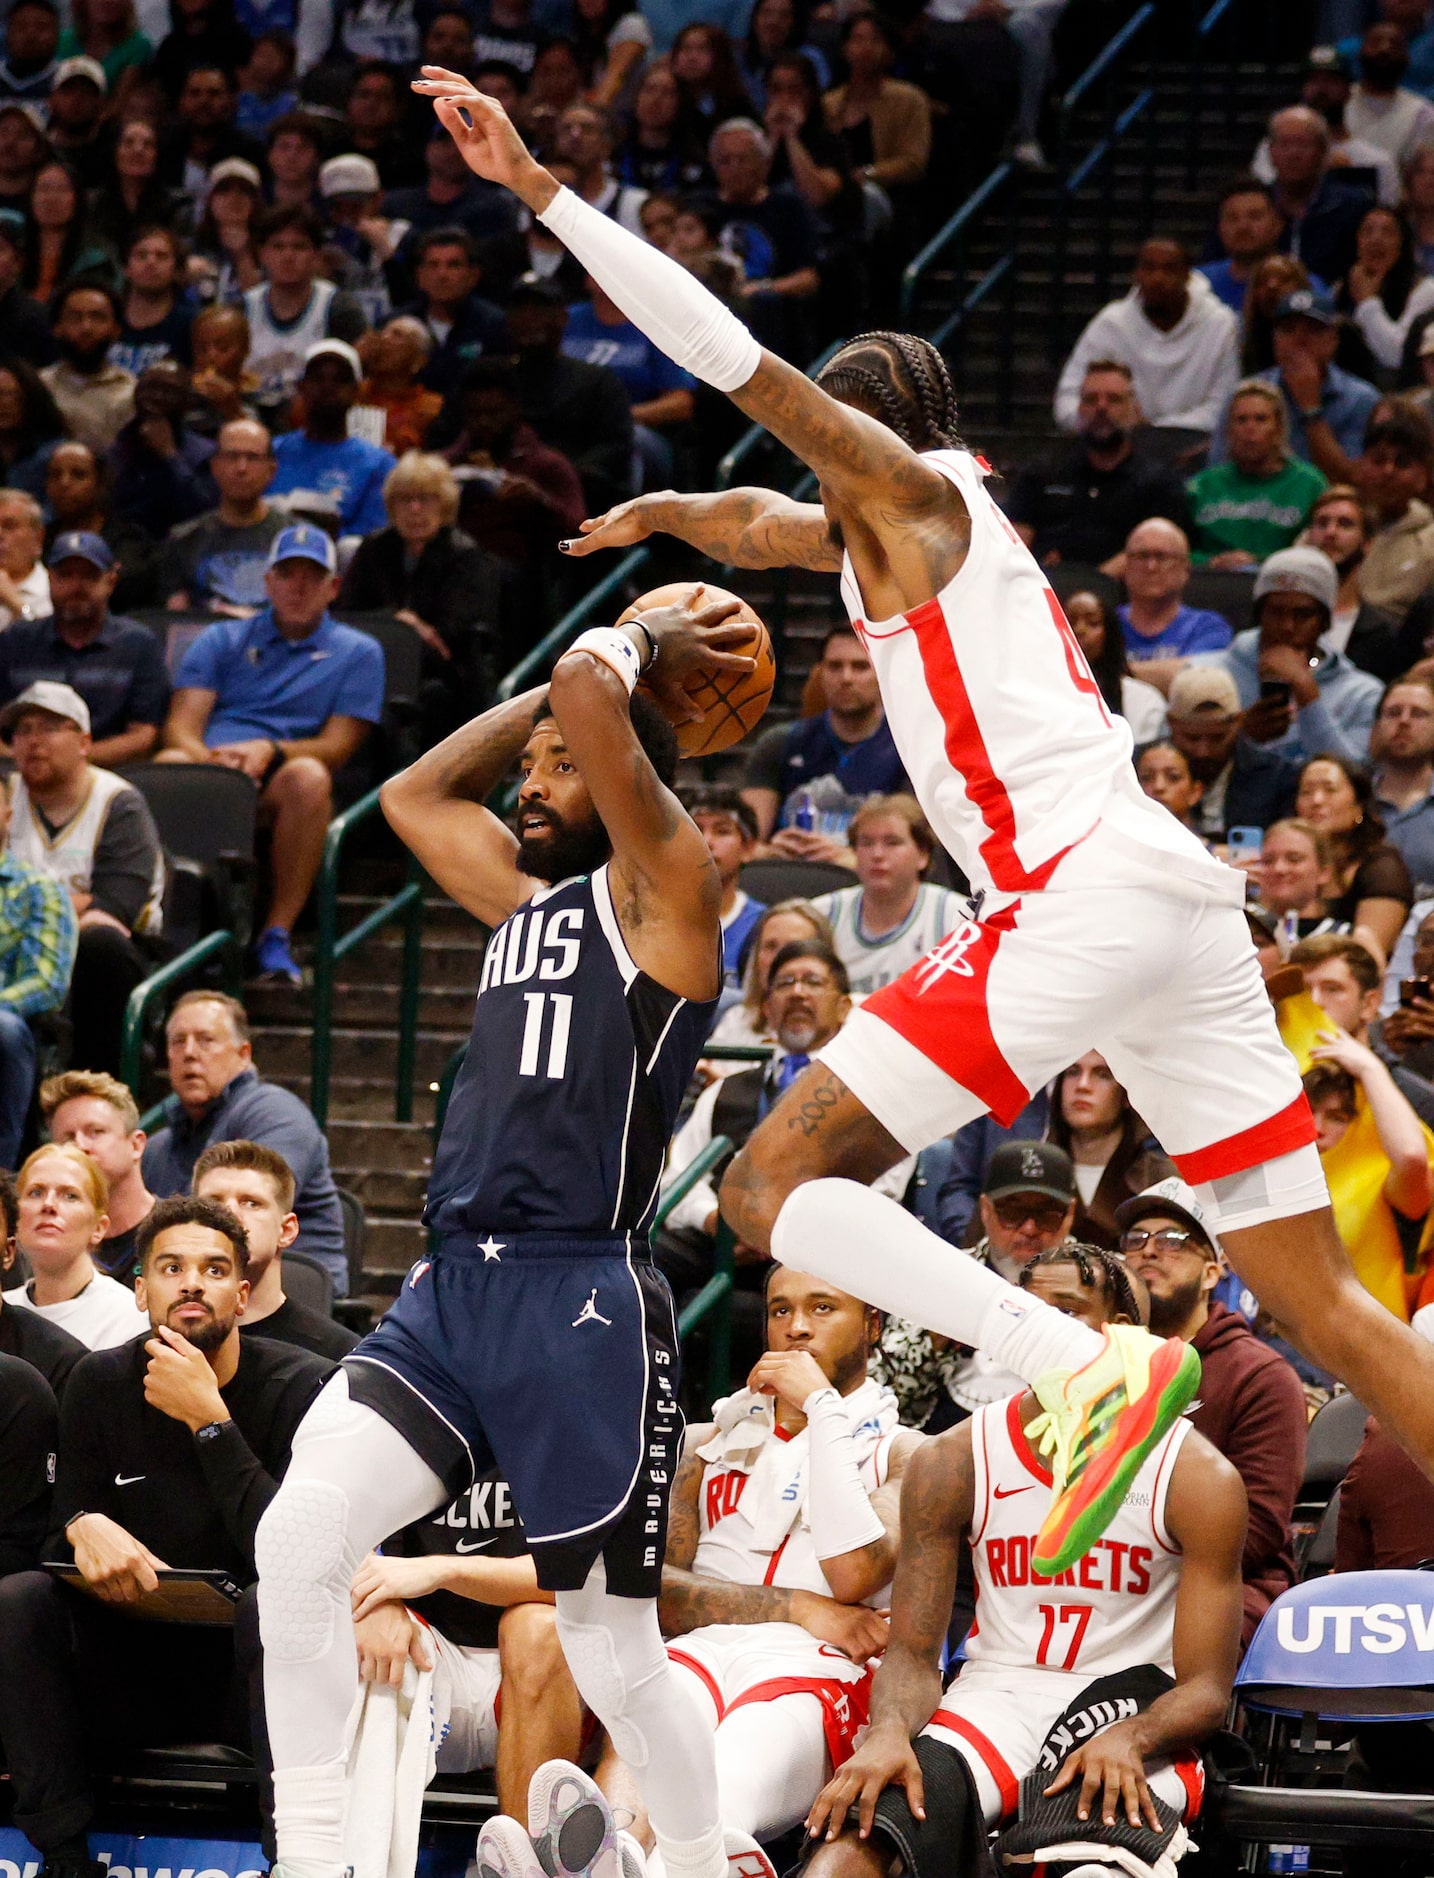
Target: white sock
[(312, 1801), (691, 1858), (877, 1251)]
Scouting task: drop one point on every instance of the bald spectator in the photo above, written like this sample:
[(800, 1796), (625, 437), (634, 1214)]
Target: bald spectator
[(1321, 212), (1328, 80), (1381, 109), (1181, 344), (1156, 621), (1257, 501), (1081, 503)]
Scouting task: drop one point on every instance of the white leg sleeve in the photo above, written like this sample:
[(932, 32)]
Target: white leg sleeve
[(874, 1249), (352, 1480), (771, 1763), (619, 1663), (657, 294)]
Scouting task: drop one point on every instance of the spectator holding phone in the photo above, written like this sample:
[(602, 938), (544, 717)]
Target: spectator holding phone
[(1407, 1032)]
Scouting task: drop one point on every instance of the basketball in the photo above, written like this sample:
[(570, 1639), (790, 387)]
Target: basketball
[(731, 702)]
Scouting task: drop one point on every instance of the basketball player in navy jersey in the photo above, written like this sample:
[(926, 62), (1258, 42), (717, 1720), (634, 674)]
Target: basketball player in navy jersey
[(538, 1334)]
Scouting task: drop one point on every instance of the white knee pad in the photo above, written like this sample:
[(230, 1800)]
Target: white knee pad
[(301, 1552), (608, 1681), (1279, 1189)]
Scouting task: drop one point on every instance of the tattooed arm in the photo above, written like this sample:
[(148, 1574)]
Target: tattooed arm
[(738, 528), (689, 1601)]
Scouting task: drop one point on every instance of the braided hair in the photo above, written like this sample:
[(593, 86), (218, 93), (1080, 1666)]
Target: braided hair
[(902, 381), (1100, 1271)]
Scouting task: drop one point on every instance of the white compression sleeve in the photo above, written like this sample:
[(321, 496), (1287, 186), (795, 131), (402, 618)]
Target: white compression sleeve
[(842, 1516), (874, 1249), (657, 294)]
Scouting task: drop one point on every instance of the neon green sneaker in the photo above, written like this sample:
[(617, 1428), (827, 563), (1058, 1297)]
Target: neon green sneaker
[(1099, 1424)]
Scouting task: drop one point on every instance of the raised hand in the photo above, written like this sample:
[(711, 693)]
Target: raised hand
[(690, 642), (620, 527), (484, 133)]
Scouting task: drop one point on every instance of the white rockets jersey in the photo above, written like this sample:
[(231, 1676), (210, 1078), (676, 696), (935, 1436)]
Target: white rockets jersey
[(1113, 1608), (1001, 727), (732, 1500)]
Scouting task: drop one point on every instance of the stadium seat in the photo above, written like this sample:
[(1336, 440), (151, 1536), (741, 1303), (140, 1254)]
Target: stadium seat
[(206, 817), (307, 1283), (779, 879), (1315, 1559), (1334, 1438), (1354, 1648), (1229, 594), (355, 1227)]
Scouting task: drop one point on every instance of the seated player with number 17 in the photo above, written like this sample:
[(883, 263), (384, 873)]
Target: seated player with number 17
[(537, 1335), (1096, 922)]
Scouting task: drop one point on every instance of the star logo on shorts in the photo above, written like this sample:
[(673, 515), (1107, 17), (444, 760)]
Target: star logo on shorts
[(491, 1247)]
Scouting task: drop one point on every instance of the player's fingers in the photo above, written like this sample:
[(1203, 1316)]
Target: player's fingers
[(1089, 1787), (1111, 1798), (871, 1789), (729, 661), (715, 611), (1147, 1803), (915, 1789), (1064, 1778)]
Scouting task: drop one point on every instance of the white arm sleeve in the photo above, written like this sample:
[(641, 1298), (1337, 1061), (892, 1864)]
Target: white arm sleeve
[(841, 1516), (658, 295)]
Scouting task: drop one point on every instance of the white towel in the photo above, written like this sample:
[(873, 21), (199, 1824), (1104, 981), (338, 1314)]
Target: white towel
[(392, 1748)]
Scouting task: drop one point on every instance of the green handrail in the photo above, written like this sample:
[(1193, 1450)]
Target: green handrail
[(714, 1300), (571, 624), (678, 1188), (921, 264), (215, 945), (407, 905)]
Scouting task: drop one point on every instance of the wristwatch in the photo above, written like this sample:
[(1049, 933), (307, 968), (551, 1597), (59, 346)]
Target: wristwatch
[(211, 1430), (1312, 414)]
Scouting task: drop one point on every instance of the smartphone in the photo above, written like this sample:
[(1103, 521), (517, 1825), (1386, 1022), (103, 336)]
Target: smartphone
[(1412, 988), (1276, 690), (1244, 844)]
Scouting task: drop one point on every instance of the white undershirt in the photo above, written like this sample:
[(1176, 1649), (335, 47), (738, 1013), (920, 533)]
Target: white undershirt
[(1087, 1179)]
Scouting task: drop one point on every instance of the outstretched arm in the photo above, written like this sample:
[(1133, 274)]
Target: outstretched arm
[(855, 456), (737, 528)]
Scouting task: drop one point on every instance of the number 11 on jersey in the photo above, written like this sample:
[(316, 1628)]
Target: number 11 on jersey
[(535, 1020)]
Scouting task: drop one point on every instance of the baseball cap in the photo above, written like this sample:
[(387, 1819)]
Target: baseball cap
[(80, 67), (80, 545), (1203, 688), (1328, 59), (1299, 570), (530, 290), (1308, 303), (336, 349), (1174, 1197), (47, 694), (235, 170), (351, 175), (1030, 1167), (304, 542), (32, 113)]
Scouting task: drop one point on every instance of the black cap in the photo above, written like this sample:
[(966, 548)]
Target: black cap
[(1030, 1167), (532, 290)]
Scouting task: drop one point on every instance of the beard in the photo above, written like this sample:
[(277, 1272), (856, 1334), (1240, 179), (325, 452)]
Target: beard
[(209, 1335), (1104, 436), (1169, 1315), (564, 850), (1350, 562), (85, 359)]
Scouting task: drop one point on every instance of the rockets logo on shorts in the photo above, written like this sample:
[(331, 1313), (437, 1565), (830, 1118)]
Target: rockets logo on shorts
[(949, 957)]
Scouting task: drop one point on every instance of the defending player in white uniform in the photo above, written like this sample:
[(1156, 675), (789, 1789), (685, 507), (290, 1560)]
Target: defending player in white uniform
[(1159, 1598), (1096, 922), (781, 1544)]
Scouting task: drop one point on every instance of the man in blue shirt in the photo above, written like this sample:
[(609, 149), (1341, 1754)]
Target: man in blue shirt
[(661, 394), (1401, 751), (288, 696), (322, 455), (1296, 697), (1155, 620), (115, 665)]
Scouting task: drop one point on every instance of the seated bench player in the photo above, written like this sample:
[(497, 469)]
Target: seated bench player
[(781, 1540), (1151, 1614)]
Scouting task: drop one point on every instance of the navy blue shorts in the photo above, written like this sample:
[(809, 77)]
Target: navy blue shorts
[(556, 1359)]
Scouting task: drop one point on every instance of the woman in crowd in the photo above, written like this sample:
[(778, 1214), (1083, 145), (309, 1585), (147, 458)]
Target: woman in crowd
[(1418, 205), (437, 582), (555, 82), (77, 497), (613, 41), (1110, 1145), (1370, 891), (706, 70), (808, 153), (776, 26), (780, 924), (30, 426), (658, 218), (1294, 875), (884, 122), (393, 358), (60, 1224), (221, 387), (1383, 290), (59, 243), (892, 916), (1270, 280), (665, 146), (225, 262), (1164, 774), (1139, 703), (107, 30), (133, 197)]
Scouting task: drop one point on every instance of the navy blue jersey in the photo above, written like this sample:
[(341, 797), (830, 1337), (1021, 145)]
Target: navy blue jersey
[(482, 1520), (562, 1111)]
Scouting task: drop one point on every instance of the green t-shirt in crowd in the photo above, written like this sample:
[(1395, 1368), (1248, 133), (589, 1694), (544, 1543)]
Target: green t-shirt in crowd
[(1260, 514)]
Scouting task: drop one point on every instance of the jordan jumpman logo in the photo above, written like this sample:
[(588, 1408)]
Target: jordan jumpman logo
[(590, 1314)]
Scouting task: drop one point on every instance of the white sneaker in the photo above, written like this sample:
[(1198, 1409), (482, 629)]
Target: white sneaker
[(745, 1858), (506, 1851), (634, 1859), (1028, 155), (571, 1824)]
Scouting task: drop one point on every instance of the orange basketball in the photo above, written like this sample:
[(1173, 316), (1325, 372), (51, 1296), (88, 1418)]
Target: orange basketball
[(731, 702)]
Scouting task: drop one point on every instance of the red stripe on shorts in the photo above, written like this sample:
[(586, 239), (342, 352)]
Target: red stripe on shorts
[(995, 1763), (1192, 1778), (1293, 1127), (844, 1706), (939, 1006), (966, 750), (703, 1675)]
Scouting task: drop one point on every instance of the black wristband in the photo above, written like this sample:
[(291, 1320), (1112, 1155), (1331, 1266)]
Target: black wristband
[(651, 644), (211, 1431)]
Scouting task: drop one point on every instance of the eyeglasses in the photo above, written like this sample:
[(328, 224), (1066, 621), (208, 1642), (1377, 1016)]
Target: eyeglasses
[(807, 981), (1153, 554), (1016, 1208), (1163, 1239)]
